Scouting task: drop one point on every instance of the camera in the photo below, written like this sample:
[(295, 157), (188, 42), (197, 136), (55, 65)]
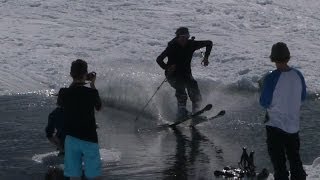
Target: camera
[(90, 76)]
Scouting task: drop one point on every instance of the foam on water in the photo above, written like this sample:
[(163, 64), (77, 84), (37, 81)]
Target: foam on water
[(52, 158)]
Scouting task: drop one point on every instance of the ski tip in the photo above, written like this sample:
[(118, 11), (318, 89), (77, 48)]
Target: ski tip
[(208, 107), (221, 113)]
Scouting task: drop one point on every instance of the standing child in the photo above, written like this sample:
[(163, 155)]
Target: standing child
[(55, 128), (79, 104), (283, 91)]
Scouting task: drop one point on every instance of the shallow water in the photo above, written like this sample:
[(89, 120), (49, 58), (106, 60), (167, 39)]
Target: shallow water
[(121, 40), (169, 154)]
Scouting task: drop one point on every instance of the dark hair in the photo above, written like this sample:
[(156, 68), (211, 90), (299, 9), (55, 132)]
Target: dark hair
[(78, 68), (182, 31), (280, 53)]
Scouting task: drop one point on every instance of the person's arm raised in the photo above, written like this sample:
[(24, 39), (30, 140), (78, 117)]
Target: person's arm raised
[(98, 103)]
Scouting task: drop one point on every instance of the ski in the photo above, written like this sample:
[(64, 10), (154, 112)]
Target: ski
[(165, 126), (197, 121), (206, 108)]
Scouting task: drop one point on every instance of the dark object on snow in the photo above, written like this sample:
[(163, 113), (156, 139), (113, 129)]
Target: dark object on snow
[(246, 168), (250, 170), (244, 159), (247, 163), (264, 174)]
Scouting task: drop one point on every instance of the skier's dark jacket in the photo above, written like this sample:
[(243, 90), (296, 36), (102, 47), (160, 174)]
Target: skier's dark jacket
[(181, 56), (56, 125)]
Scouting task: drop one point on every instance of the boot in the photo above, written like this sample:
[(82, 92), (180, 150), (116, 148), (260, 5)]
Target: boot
[(195, 107), (182, 113)]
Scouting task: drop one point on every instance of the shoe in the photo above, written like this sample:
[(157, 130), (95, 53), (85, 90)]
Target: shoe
[(196, 106), (183, 113)]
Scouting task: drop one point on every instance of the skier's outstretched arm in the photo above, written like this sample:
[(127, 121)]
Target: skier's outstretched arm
[(201, 44), (208, 45)]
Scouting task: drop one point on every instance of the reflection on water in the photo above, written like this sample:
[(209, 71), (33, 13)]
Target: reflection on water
[(179, 167), (184, 162), (180, 153)]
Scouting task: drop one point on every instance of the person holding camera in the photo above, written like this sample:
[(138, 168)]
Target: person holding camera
[(79, 104)]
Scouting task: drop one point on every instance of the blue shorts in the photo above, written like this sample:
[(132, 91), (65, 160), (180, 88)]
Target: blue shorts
[(76, 151)]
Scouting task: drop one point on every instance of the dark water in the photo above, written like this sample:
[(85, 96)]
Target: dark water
[(181, 153)]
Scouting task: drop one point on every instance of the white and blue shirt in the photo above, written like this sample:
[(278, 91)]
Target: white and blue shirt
[(282, 94)]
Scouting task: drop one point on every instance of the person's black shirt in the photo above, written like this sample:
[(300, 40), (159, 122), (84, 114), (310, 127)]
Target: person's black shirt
[(182, 56), (79, 103)]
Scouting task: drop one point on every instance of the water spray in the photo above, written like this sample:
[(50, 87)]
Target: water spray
[(141, 111)]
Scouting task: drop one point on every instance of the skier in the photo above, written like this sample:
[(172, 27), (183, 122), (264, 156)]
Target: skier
[(178, 68)]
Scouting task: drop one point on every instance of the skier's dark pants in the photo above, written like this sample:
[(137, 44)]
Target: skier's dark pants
[(281, 144), (180, 85)]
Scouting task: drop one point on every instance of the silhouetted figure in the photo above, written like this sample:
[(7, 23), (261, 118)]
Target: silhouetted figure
[(178, 69), (79, 104), (282, 94)]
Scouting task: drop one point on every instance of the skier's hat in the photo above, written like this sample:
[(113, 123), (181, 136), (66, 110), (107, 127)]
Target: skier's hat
[(182, 31)]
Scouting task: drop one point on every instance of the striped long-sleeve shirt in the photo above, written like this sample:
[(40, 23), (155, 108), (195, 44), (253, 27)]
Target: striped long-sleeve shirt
[(282, 94)]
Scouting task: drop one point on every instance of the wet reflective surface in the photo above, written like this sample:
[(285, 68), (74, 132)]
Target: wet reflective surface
[(173, 153)]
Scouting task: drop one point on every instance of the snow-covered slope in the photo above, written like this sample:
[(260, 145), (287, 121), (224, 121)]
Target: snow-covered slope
[(39, 39)]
